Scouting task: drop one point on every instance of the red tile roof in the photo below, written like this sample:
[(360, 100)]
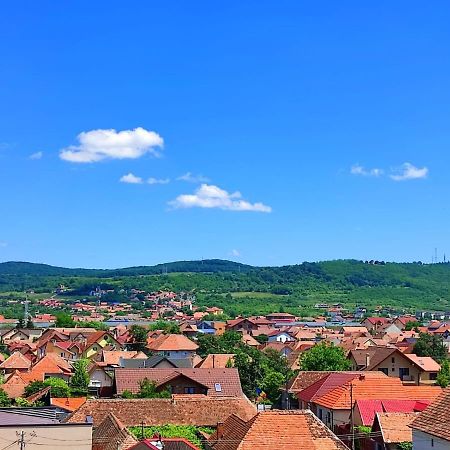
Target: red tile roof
[(230, 385), (70, 404), (16, 361), (172, 342), (287, 430), (182, 410)]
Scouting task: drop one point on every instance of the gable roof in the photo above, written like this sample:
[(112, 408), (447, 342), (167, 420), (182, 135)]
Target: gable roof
[(434, 420), (395, 427), (16, 361), (111, 434), (230, 385), (179, 410), (288, 430), (216, 360), (425, 363), (15, 385), (112, 357), (69, 403), (172, 342), (305, 379)]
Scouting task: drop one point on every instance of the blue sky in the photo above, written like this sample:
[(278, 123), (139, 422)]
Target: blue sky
[(310, 130)]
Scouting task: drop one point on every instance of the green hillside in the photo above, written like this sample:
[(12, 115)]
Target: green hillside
[(244, 289)]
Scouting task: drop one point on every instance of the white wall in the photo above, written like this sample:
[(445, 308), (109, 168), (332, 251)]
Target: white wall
[(424, 441)]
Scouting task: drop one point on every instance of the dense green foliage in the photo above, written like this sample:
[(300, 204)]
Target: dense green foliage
[(248, 290), (324, 357), (443, 378), (431, 345), (4, 399), (169, 327), (79, 382), (59, 388)]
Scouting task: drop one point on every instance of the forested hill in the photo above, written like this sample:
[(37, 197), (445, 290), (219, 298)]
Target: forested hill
[(204, 266), (254, 289)]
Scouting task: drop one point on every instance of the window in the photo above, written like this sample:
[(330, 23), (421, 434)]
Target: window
[(189, 390), (328, 418), (433, 376), (320, 414), (393, 360), (217, 387)]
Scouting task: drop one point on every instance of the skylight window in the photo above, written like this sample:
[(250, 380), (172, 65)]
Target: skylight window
[(218, 387)]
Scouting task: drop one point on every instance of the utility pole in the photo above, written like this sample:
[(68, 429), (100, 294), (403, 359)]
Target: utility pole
[(22, 440), (352, 424)]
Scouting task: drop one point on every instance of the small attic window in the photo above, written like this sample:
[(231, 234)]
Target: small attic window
[(218, 387)]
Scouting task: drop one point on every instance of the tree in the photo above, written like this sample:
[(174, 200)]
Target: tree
[(167, 326), (430, 345), (29, 325), (33, 387), (139, 335), (5, 401), (412, 325), (59, 388), (147, 389), (64, 320), (20, 323), (443, 377), (324, 357), (262, 338), (80, 379)]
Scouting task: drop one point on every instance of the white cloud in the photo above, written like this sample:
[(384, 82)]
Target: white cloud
[(360, 170), (210, 196), (37, 155), (152, 180), (236, 253), (131, 179), (409, 172), (98, 145), (3, 244), (190, 178)]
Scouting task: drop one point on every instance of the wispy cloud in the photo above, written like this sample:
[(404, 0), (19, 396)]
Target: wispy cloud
[(152, 180), (99, 145), (191, 178), (409, 172), (37, 155), (131, 179), (357, 169), (210, 196), (235, 252)]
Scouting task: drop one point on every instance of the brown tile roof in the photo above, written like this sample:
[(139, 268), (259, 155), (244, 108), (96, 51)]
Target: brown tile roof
[(16, 361), (395, 426), (216, 360), (271, 430), (111, 434), (305, 379), (434, 420), (172, 342), (180, 410), (376, 356), (129, 379)]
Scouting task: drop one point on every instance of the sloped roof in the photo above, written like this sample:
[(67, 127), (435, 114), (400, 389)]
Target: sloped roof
[(289, 430), (425, 363), (185, 410), (129, 379), (111, 434), (69, 403), (216, 360), (369, 408), (15, 385), (112, 357), (172, 342), (50, 364), (16, 361), (305, 379), (395, 426), (434, 420)]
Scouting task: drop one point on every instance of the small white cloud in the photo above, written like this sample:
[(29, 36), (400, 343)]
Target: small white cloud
[(98, 145), (152, 180), (409, 172), (210, 196), (37, 155), (190, 178), (357, 169), (236, 253), (131, 179), (3, 244)]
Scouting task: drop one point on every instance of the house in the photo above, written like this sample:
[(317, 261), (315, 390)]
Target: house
[(97, 341), (394, 429), (202, 411), (280, 336), (157, 362), (206, 327), (210, 382), (70, 404), (188, 329), (160, 443), (38, 429), (173, 346), (112, 434), (248, 325), (373, 323), (410, 368), (217, 360), (274, 430), (281, 318), (431, 429), (15, 362)]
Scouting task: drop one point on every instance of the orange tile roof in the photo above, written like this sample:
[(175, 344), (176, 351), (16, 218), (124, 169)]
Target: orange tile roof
[(217, 360), (16, 361), (172, 342), (288, 430), (70, 404), (395, 426), (15, 385), (112, 358), (425, 363)]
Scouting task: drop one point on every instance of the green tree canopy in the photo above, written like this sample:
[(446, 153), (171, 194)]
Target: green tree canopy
[(443, 377), (323, 357), (139, 335), (64, 320), (430, 345), (80, 379), (167, 326), (147, 389), (5, 401)]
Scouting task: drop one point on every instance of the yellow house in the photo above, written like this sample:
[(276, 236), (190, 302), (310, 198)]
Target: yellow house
[(98, 341)]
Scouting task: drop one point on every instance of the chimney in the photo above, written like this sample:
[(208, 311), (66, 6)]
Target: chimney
[(220, 430), (367, 360)]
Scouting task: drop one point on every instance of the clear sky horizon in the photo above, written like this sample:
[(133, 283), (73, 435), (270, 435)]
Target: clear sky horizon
[(269, 133)]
